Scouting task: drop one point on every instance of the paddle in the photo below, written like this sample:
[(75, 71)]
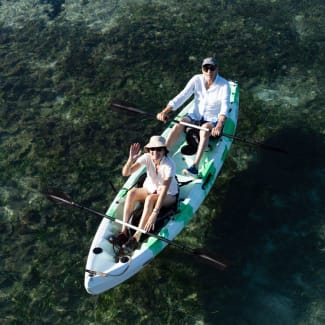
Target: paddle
[(139, 111), (252, 142), (63, 198)]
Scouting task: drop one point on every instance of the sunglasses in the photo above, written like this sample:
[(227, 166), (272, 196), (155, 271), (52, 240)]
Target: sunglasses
[(206, 68), (159, 149)]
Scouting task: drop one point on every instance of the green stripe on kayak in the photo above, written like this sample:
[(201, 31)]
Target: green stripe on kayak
[(234, 95), (209, 170), (156, 245), (185, 213), (229, 126)]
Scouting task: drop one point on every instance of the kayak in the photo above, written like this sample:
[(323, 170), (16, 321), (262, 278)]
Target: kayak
[(105, 269)]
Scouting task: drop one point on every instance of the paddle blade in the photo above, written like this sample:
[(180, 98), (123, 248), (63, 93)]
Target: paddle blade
[(118, 106), (268, 147), (206, 256), (58, 197)]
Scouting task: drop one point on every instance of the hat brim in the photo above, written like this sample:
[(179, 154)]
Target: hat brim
[(147, 148)]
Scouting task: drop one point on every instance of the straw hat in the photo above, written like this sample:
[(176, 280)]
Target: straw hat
[(156, 141)]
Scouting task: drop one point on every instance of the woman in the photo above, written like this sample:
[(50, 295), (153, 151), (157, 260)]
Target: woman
[(159, 189)]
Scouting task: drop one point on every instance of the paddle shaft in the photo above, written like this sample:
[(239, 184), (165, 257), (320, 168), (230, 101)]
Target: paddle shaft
[(76, 205), (57, 198), (252, 142), (136, 110)]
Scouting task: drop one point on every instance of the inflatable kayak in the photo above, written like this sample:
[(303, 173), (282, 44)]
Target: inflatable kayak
[(105, 268)]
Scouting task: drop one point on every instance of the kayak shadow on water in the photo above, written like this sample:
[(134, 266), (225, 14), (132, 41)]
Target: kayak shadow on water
[(271, 227)]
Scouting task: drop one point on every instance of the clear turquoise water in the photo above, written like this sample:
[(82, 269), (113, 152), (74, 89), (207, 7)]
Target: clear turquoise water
[(62, 63)]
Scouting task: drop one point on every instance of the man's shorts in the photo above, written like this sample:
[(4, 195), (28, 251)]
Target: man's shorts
[(200, 122)]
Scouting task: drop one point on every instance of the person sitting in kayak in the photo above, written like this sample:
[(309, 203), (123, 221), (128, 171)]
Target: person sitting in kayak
[(211, 105), (159, 189)]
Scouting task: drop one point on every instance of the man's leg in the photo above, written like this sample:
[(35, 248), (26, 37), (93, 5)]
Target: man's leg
[(176, 132), (204, 140)]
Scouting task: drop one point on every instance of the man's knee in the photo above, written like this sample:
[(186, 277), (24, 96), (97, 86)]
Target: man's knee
[(178, 127)]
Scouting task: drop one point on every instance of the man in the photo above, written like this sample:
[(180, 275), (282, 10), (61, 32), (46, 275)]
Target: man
[(211, 105)]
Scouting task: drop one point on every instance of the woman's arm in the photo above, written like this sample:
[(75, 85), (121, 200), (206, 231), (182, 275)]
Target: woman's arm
[(130, 167)]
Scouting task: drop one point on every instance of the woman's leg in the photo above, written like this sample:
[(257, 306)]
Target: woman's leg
[(149, 204), (134, 195)]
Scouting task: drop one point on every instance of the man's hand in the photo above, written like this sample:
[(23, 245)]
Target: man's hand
[(217, 130), (163, 115)]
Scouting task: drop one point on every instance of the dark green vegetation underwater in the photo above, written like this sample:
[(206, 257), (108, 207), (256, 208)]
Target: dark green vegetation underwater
[(60, 66)]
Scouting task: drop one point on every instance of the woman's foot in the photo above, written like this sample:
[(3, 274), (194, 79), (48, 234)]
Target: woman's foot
[(130, 245)]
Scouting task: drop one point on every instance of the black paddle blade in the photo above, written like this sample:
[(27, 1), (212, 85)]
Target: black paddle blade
[(58, 197), (268, 147), (119, 105), (209, 259)]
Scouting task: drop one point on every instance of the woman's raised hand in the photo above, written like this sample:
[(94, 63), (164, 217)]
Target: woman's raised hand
[(135, 151)]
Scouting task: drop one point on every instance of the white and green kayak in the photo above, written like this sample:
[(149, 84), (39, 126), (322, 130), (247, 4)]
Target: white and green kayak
[(104, 270)]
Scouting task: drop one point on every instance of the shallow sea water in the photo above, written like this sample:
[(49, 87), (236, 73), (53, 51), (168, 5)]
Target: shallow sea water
[(62, 62)]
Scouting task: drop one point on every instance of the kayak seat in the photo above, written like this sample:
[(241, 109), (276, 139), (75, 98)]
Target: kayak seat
[(192, 137)]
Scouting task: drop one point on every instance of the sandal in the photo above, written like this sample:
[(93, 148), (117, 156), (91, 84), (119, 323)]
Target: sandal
[(130, 245), (118, 240)]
